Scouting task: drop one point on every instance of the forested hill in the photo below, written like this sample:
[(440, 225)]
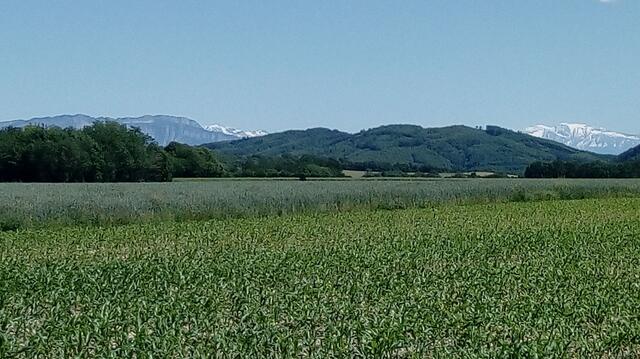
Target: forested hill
[(630, 155), (112, 152), (455, 148), (626, 165)]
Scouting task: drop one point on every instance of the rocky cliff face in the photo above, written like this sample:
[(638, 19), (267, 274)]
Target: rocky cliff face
[(163, 129)]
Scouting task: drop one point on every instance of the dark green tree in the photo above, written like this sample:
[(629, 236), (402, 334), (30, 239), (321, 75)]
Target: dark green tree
[(188, 161)]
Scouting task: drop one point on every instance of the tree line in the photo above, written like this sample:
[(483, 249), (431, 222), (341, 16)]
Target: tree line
[(104, 152), (287, 166), (570, 169), (112, 152)]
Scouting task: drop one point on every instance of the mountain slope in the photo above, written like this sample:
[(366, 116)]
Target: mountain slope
[(457, 148), (585, 137), (630, 155), (163, 129)]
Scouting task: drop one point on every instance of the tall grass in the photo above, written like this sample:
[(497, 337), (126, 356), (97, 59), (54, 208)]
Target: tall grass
[(37, 205)]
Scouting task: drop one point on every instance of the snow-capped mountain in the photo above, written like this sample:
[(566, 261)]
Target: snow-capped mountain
[(585, 137), (235, 132), (163, 129)]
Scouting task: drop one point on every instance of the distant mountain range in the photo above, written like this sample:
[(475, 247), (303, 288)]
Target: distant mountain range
[(235, 132), (454, 148), (585, 137), (164, 129)]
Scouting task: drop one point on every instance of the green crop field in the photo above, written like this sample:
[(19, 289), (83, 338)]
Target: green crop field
[(527, 279), (46, 205)]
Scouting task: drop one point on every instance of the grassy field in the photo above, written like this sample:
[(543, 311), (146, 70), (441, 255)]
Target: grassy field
[(555, 278), (46, 205)]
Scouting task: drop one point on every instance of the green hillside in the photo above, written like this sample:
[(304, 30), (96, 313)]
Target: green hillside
[(454, 148)]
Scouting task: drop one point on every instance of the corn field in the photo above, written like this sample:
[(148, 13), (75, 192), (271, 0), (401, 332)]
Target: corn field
[(526, 279)]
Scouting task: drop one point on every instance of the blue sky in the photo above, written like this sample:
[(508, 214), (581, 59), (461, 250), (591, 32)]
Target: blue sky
[(340, 64)]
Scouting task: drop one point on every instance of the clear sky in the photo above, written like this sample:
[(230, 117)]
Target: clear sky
[(343, 64)]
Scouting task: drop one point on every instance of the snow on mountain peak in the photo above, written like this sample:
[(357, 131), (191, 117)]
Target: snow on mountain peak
[(234, 132), (585, 137)]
